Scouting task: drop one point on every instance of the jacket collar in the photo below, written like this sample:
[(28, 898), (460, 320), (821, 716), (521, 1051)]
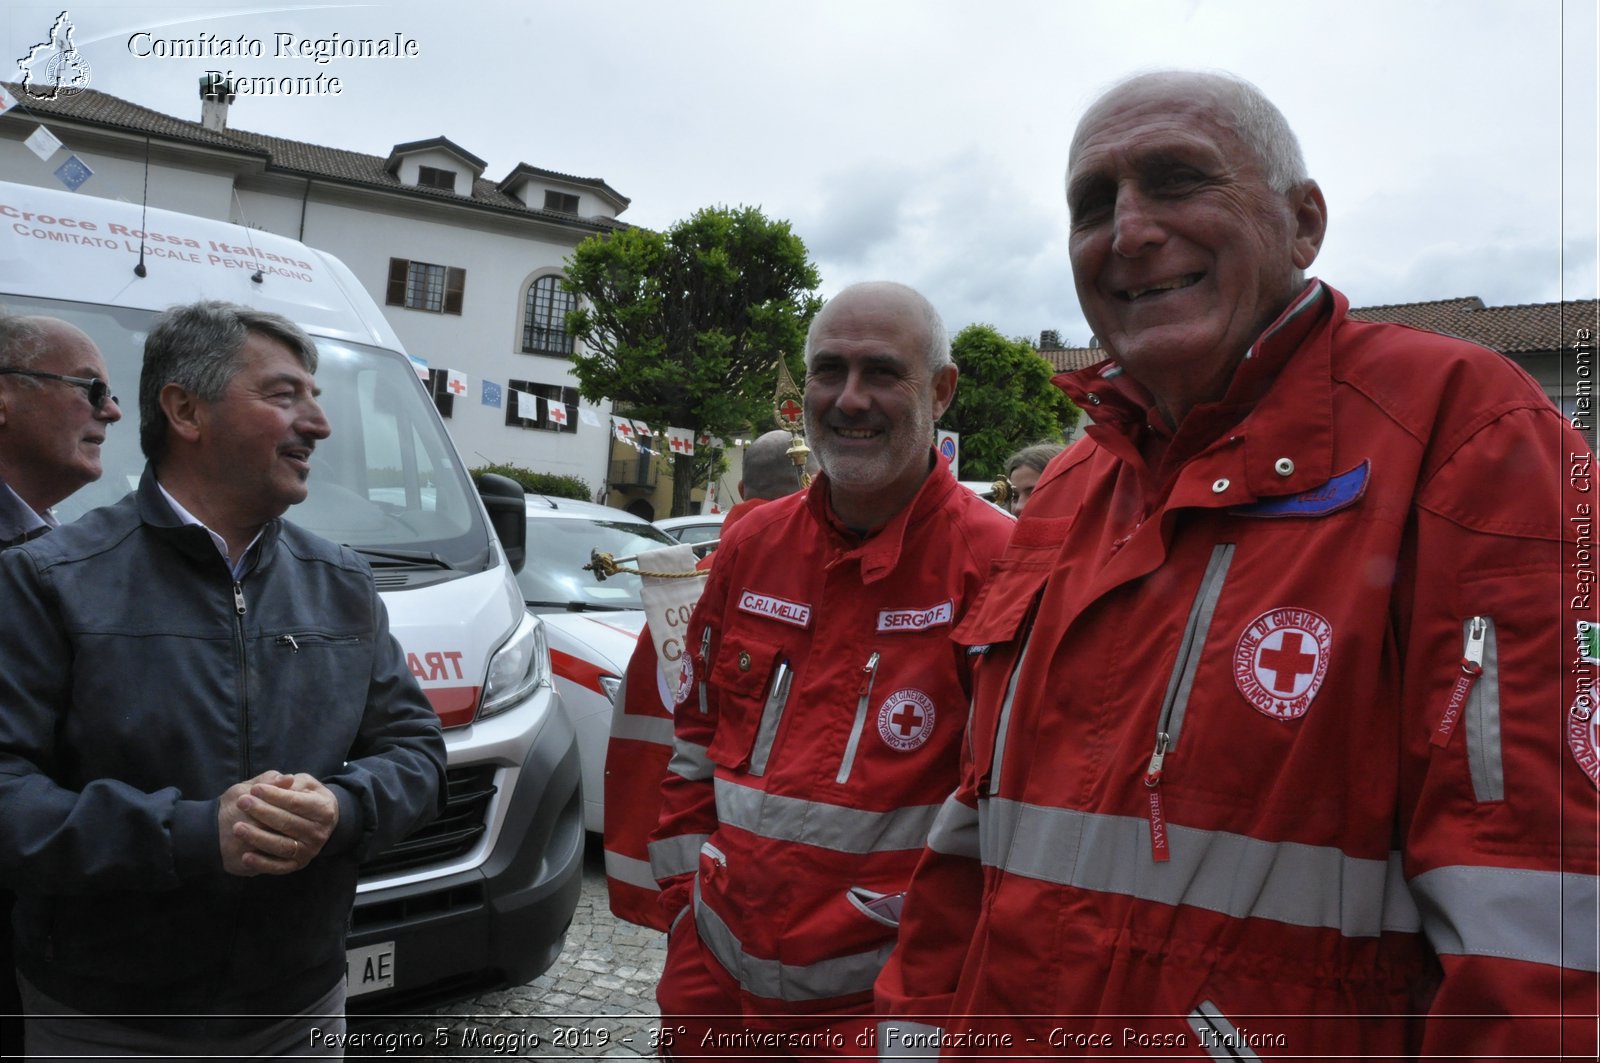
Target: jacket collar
[(192, 539), (879, 553), (1277, 413), (18, 521)]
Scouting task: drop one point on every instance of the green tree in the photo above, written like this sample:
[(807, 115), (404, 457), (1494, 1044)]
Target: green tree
[(684, 327), (1004, 402)]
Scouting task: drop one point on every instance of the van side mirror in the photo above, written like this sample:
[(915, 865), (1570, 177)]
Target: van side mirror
[(508, 514)]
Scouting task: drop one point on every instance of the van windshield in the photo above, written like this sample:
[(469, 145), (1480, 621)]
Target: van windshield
[(386, 482)]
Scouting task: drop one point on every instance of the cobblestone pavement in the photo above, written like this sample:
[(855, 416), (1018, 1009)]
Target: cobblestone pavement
[(597, 1001)]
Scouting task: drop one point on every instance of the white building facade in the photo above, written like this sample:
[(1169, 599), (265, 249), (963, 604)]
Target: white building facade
[(466, 267)]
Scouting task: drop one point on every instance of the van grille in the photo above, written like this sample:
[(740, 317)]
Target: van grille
[(453, 834)]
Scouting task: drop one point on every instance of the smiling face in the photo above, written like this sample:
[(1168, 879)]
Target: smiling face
[(1182, 253), (50, 435), (255, 442), (871, 400)]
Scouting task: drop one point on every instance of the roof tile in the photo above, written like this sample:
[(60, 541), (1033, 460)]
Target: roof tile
[(92, 107)]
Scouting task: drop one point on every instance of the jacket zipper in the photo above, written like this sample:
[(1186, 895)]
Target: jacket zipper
[(1471, 670), (1159, 851), (244, 685), (863, 698), (705, 667), (1176, 702)]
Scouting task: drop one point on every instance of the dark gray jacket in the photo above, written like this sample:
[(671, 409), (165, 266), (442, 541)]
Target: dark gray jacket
[(138, 682)]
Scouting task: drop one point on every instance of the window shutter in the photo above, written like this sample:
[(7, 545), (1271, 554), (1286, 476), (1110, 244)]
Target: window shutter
[(569, 399), (397, 282), (455, 285)]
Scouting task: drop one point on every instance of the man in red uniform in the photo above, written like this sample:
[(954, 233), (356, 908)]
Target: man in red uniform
[(822, 730), (641, 729), (1283, 737)]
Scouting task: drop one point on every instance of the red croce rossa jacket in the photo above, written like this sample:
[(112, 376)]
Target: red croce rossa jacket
[(1287, 753), (819, 738), (637, 754)]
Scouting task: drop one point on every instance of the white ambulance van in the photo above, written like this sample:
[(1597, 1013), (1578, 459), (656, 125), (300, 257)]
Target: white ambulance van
[(481, 898)]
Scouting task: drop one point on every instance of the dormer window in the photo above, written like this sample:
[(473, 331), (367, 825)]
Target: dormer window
[(565, 202), (434, 177)]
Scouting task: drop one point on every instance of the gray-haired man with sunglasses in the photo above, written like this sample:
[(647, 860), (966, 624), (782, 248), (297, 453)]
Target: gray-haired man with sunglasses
[(50, 436), (55, 407)]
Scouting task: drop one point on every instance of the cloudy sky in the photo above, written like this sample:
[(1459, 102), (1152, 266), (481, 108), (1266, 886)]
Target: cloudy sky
[(925, 140)]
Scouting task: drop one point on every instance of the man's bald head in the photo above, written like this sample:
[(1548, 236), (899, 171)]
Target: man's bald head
[(769, 472)]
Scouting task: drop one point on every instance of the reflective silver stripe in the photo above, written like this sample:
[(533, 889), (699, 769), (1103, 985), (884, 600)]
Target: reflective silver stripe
[(1218, 1036), (860, 723), (771, 716), (1176, 702), (839, 976), (955, 830), (845, 830), (630, 870), (1005, 716), (906, 1040), (676, 856), (651, 729), (691, 762), (1538, 916), (1238, 876), (1483, 724)]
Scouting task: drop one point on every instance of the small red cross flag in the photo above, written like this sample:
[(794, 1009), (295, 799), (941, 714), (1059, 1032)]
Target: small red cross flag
[(7, 101), (455, 382), (681, 440), (558, 411), (624, 430)]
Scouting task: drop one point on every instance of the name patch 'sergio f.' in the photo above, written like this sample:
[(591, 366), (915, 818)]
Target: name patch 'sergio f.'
[(1281, 659), (905, 720), (794, 613), (916, 619)]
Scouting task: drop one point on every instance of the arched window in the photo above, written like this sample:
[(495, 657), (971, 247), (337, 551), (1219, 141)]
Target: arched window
[(544, 318)]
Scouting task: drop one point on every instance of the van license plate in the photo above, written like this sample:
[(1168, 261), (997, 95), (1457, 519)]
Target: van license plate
[(369, 968)]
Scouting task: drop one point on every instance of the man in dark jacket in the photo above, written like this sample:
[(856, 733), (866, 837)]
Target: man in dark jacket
[(55, 408), (205, 724)]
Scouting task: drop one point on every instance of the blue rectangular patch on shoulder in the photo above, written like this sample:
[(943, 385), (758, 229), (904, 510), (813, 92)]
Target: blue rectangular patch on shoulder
[(1343, 490)]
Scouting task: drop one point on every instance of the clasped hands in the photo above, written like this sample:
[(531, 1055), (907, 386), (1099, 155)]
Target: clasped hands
[(275, 824)]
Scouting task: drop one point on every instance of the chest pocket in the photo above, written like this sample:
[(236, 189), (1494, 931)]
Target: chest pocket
[(996, 631), (753, 680)]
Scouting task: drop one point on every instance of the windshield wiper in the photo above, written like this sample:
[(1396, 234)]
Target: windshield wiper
[(403, 558), (581, 607)]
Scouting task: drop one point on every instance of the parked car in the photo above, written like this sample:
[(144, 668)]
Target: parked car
[(591, 625), (694, 529)]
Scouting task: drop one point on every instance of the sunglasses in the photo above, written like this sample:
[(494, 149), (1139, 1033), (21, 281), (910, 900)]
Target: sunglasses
[(99, 391)]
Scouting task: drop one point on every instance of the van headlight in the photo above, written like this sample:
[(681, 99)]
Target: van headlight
[(517, 667)]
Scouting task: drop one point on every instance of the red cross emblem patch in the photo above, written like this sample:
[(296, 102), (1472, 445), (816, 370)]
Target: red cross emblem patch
[(685, 683), (1583, 732), (905, 720), (1281, 659)]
